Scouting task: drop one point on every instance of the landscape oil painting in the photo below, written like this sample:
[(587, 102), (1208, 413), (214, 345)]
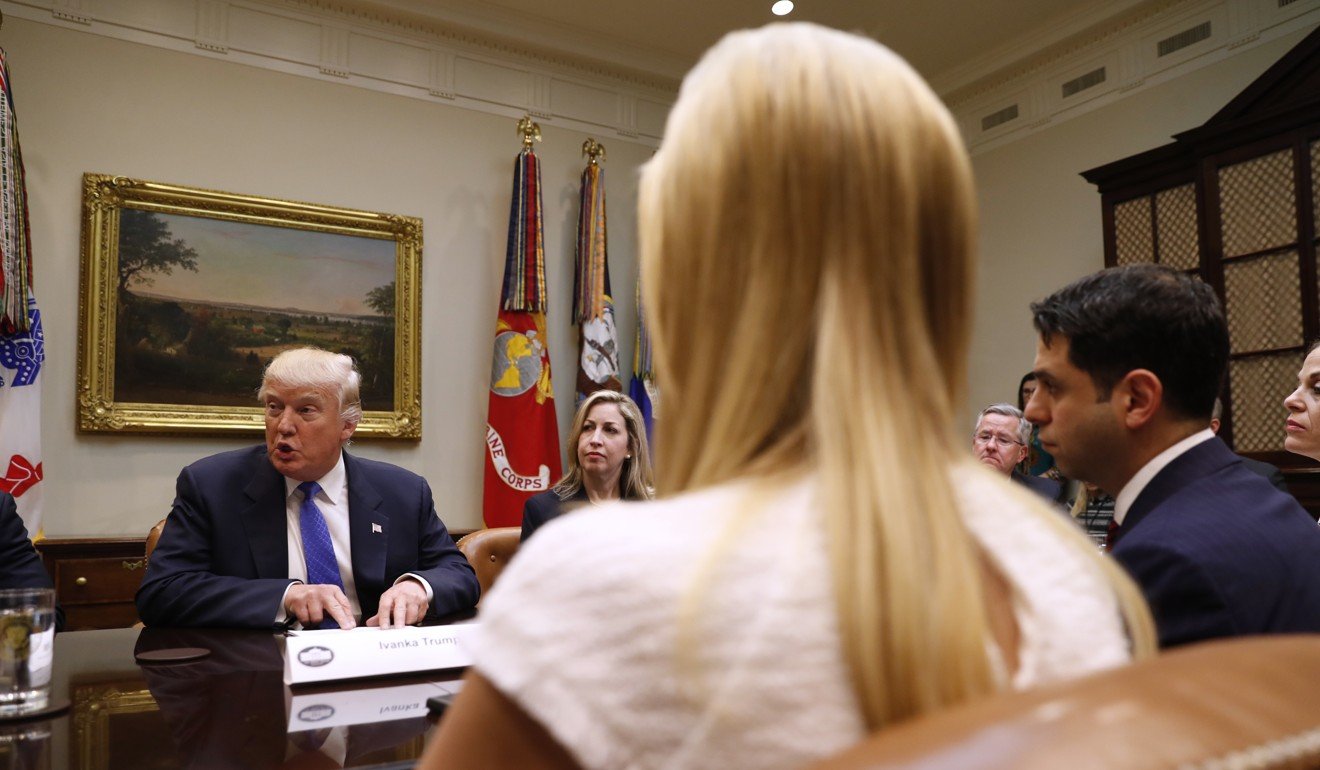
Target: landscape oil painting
[(204, 304), (204, 288)]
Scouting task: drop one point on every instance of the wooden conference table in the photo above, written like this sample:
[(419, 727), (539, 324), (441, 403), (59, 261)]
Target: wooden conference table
[(228, 710)]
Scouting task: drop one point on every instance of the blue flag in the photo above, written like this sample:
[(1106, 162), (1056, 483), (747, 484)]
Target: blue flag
[(642, 389)]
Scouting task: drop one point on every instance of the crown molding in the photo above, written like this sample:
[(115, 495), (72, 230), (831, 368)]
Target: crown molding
[(342, 42), (1125, 45), (483, 60), (1035, 49), (481, 23)]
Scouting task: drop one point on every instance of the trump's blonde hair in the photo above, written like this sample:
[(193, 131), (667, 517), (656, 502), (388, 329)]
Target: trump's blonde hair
[(319, 370), (807, 234)]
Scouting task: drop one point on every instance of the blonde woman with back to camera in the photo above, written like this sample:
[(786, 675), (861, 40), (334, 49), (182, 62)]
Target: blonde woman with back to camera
[(607, 460), (826, 557)]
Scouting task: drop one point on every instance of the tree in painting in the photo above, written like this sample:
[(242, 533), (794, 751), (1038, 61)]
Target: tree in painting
[(381, 299), (146, 246), (377, 361)]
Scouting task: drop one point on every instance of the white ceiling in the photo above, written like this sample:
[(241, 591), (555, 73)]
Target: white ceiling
[(951, 43)]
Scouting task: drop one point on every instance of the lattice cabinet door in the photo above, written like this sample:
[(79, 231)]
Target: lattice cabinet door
[(1177, 234), (1315, 183), (1160, 227), (1134, 231), (1265, 283), (1235, 201)]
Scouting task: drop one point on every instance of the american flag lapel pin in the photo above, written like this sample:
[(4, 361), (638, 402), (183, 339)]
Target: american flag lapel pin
[(375, 528)]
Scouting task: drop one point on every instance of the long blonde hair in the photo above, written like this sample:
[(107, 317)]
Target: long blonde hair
[(807, 233), (635, 481)]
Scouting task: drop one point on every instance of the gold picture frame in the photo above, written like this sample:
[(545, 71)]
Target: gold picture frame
[(186, 292)]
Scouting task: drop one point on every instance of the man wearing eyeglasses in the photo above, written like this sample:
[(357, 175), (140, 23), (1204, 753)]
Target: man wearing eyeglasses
[(1000, 441)]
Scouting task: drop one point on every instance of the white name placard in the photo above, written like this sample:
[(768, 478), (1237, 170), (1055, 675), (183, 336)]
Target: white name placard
[(315, 710), (334, 654)]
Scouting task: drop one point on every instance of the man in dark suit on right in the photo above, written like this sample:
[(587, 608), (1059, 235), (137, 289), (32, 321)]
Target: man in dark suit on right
[(1130, 361)]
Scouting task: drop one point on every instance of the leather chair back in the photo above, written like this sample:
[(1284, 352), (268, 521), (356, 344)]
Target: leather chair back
[(1247, 702), (153, 537), (489, 552)]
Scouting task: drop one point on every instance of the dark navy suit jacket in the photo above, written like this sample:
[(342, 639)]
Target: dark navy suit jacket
[(1047, 488), (20, 566), (1218, 551), (222, 559), (543, 507), (1271, 473)]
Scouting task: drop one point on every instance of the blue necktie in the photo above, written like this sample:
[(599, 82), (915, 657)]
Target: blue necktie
[(319, 552)]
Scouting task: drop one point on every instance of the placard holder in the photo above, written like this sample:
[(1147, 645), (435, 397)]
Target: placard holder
[(335, 654)]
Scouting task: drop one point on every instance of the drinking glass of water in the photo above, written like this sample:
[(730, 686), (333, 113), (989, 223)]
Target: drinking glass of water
[(27, 649)]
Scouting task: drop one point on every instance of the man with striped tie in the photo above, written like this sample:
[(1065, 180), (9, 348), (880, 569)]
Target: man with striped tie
[(298, 530)]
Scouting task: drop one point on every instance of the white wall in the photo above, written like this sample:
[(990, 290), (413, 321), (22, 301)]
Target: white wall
[(91, 103), (1040, 221)]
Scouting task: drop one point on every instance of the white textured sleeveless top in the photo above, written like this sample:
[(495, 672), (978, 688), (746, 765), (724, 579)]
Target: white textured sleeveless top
[(582, 630)]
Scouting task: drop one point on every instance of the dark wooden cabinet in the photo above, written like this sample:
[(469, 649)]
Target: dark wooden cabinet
[(1236, 201), (95, 579)]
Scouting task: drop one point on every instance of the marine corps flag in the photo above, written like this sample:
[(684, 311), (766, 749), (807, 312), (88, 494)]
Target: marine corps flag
[(593, 307), (22, 346), (522, 434)]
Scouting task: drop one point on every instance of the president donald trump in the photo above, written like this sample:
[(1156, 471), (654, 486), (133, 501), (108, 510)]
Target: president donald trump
[(298, 530)]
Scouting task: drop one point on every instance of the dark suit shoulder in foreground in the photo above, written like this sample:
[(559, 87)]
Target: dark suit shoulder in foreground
[(1271, 473), (1220, 552)]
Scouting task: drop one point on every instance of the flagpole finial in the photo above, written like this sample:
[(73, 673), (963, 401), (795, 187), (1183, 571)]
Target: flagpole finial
[(530, 130), (593, 150)]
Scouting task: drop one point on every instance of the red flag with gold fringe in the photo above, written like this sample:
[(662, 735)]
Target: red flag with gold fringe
[(522, 433)]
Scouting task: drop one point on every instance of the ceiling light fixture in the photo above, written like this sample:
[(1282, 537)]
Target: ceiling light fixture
[(782, 8)]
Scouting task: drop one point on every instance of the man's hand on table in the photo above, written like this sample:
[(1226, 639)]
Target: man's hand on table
[(312, 603), (402, 605)]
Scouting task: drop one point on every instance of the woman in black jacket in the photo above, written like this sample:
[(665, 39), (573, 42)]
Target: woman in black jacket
[(608, 461)]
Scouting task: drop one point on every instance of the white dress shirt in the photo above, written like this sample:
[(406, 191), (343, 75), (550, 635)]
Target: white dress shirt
[(332, 501), (1131, 490)]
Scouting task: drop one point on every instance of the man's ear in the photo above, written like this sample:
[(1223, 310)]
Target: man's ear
[(1140, 397)]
